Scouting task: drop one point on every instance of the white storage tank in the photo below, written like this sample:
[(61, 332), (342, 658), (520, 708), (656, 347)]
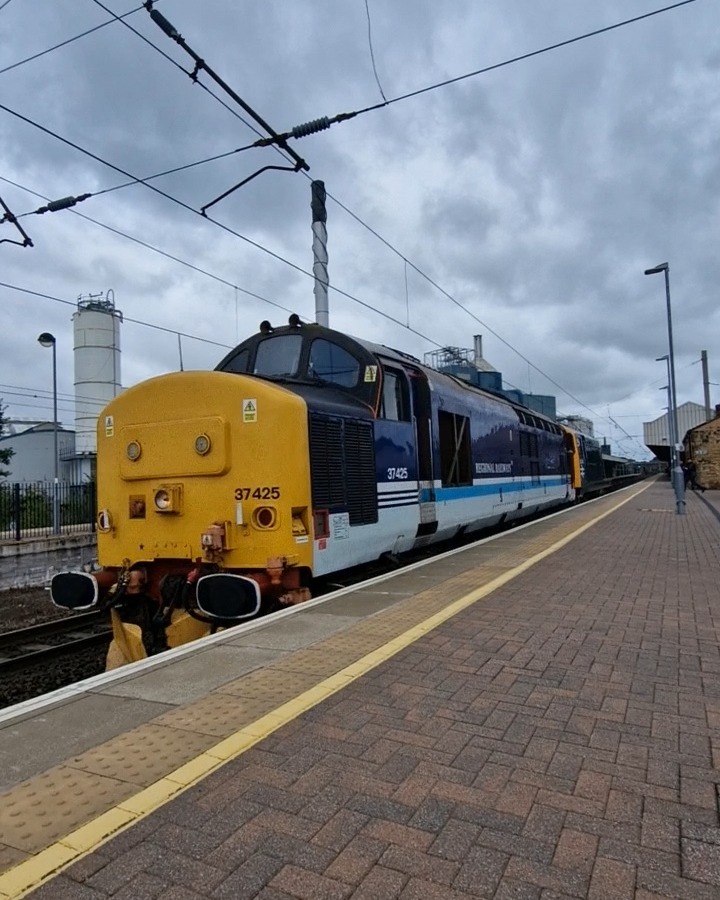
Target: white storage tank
[(96, 330)]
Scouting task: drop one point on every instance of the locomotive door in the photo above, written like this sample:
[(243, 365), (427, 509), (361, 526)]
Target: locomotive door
[(422, 413)]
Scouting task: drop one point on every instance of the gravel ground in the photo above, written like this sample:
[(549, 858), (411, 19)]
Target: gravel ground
[(27, 606)]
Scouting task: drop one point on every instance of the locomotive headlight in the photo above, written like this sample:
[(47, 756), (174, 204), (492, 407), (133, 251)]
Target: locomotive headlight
[(202, 444), (104, 521), (133, 450), (167, 498), (265, 518), (163, 500)]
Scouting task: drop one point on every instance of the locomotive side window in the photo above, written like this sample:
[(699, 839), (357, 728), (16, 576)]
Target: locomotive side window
[(395, 403), (278, 355), (328, 362), (530, 453), (455, 454)]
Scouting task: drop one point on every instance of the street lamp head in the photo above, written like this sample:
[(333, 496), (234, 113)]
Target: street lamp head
[(46, 339), (663, 267)]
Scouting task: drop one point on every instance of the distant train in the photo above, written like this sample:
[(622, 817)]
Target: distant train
[(223, 495)]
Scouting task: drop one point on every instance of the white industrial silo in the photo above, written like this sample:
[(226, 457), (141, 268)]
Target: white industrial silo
[(96, 329)]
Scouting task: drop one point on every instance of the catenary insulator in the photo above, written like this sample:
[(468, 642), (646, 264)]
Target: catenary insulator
[(311, 127)]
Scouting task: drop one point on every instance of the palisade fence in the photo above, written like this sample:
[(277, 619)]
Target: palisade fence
[(26, 508)]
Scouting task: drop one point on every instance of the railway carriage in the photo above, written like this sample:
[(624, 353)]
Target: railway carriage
[(223, 494), (593, 472)]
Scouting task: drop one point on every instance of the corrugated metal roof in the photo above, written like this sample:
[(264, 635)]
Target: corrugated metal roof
[(657, 432)]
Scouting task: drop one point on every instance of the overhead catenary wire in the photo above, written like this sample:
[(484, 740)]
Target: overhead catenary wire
[(177, 65), (9, 216), (176, 259), (186, 206), (164, 253), (44, 394), (77, 37), (278, 256), (341, 117), (201, 65), (179, 334), (321, 124), (73, 303), (67, 202), (402, 256), (372, 52), (219, 224), (121, 18), (172, 32)]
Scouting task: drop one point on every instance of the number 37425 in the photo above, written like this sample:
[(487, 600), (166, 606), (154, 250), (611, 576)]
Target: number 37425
[(257, 493)]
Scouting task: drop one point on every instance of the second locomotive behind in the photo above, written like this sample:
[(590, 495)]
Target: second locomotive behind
[(223, 494)]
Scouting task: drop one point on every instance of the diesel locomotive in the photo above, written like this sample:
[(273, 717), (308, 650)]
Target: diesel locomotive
[(224, 494)]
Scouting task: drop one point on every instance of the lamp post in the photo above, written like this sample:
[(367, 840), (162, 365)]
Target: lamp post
[(666, 387), (48, 340), (671, 421), (678, 480)]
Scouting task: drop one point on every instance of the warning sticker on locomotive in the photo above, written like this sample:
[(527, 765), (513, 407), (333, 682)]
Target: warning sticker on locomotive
[(249, 410), (371, 373), (340, 526), (109, 426)]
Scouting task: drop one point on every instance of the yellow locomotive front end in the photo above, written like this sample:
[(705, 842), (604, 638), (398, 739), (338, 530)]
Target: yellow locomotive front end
[(204, 508)]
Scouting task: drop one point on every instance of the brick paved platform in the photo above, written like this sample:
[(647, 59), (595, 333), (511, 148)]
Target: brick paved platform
[(560, 738)]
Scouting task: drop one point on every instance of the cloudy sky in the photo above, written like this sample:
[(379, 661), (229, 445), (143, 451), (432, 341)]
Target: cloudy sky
[(522, 203)]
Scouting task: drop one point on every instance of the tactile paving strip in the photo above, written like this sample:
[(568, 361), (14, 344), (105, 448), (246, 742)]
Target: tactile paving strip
[(220, 715), (49, 806), (142, 755), (266, 682), (319, 661)]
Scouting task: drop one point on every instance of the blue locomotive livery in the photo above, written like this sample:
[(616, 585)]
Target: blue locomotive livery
[(222, 495), (402, 455)]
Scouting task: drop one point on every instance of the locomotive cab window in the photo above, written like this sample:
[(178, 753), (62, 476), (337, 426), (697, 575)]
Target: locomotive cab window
[(278, 355), (329, 362), (395, 402), (238, 363)]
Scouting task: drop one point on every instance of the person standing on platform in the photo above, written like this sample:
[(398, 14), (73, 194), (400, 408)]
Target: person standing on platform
[(691, 477)]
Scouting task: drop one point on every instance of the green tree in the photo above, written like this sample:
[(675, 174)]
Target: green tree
[(6, 453)]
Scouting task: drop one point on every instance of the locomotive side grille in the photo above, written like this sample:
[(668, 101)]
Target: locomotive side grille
[(327, 462), (342, 467), (360, 473)]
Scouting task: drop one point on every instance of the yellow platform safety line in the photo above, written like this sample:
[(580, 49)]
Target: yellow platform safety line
[(31, 873)]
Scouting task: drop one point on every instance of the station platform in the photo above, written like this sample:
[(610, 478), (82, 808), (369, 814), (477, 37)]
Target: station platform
[(535, 716)]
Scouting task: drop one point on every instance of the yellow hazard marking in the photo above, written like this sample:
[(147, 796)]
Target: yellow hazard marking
[(30, 874)]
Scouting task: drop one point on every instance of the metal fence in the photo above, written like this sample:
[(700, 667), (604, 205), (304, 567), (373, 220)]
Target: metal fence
[(42, 508)]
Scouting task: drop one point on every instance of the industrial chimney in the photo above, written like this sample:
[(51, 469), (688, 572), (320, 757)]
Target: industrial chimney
[(477, 345)]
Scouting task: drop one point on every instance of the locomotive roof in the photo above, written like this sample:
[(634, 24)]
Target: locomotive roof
[(313, 329)]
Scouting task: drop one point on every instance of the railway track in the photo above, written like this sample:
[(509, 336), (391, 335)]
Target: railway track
[(29, 647)]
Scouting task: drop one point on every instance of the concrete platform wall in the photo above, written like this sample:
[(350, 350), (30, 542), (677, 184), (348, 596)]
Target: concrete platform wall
[(32, 563)]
